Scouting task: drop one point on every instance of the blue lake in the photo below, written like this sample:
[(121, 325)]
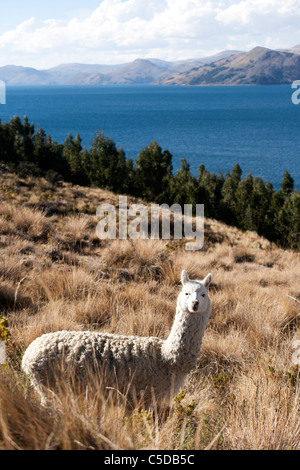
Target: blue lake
[(258, 127)]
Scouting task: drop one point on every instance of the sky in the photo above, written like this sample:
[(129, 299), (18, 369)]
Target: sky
[(45, 34)]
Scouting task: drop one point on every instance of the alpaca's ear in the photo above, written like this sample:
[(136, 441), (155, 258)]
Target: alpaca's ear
[(207, 280), (184, 277)]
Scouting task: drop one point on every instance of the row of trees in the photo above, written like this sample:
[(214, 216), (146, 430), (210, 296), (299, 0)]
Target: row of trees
[(248, 203)]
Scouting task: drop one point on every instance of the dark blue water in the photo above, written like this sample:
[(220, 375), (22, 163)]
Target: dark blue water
[(258, 127)]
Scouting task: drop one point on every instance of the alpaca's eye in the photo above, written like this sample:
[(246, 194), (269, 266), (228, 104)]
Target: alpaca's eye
[(187, 293), (203, 295)]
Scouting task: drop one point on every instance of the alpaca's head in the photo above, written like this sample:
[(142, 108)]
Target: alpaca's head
[(193, 297)]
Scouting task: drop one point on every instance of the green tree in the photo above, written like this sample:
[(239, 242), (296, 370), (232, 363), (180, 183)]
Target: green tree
[(154, 173), (294, 222), (236, 174), (16, 144), (260, 205), (106, 165), (287, 183), (130, 185), (208, 191), (288, 221), (244, 203), (76, 159), (184, 185), (28, 132), (229, 199), (11, 141), (48, 156)]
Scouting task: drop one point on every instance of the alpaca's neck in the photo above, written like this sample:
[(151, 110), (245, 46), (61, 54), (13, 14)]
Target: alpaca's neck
[(182, 347)]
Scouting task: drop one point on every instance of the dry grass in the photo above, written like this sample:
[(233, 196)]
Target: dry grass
[(55, 274)]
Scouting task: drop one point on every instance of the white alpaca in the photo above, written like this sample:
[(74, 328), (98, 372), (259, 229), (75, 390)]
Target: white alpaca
[(141, 368)]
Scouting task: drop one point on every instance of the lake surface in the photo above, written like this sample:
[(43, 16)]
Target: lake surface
[(258, 127)]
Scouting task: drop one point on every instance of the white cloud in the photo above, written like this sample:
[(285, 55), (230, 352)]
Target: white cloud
[(121, 30), (259, 13)]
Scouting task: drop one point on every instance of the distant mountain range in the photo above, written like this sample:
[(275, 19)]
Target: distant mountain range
[(230, 67), (140, 71), (260, 66)]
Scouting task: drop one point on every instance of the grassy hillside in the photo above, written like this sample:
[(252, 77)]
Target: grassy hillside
[(56, 274)]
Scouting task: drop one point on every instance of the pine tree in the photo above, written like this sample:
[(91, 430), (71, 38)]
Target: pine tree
[(184, 185), (244, 201), (209, 187), (236, 174), (106, 165), (294, 222), (287, 183), (228, 199), (73, 154), (154, 172), (28, 147), (248, 223), (48, 155)]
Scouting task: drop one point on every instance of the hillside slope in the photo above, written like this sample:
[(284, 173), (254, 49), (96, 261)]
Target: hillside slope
[(55, 274), (18, 75), (39, 194), (139, 71), (260, 66)]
